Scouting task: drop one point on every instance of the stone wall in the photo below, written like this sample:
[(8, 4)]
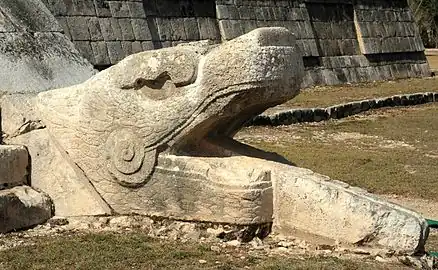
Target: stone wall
[(341, 40), (107, 31), (34, 54)]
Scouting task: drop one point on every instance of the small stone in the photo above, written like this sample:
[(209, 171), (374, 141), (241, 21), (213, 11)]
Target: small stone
[(234, 243), (202, 261), (325, 247), (361, 251), (285, 244), (303, 245), (256, 243), (214, 232), (215, 248), (57, 221), (380, 259)]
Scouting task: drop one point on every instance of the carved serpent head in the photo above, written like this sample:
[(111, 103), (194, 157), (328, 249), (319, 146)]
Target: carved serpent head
[(169, 100)]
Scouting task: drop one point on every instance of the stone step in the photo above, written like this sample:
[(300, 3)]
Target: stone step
[(14, 166)]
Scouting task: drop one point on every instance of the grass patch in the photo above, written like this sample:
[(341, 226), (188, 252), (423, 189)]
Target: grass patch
[(432, 241), (391, 151), (137, 251), (433, 61), (324, 96)]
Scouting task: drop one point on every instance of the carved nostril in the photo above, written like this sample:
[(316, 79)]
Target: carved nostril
[(140, 82)]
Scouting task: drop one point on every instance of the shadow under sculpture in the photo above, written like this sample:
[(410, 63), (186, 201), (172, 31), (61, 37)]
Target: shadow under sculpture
[(152, 135)]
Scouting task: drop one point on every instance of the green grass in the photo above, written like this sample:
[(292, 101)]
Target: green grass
[(137, 251), (393, 151)]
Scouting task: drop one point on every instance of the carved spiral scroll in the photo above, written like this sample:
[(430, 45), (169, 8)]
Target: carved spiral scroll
[(127, 161)]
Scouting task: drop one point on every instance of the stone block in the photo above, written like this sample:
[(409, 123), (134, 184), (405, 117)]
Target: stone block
[(84, 48), (166, 44), (248, 25), (329, 47), (306, 29), (77, 29), (70, 191), (80, 8), (227, 12), (191, 28), (126, 29), (259, 13), (304, 201), (56, 7), (63, 22), (115, 51), (14, 166), (110, 28), (102, 8), (126, 47), (312, 47), (322, 29), (94, 29), (136, 47), (304, 14), (164, 26), (119, 9), (268, 13), (141, 29), (100, 52), (136, 10), (293, 14), (23, 207), (245, 13), (230, 29), (208, 29), (18, 115), (148, 45), (349, 47), (294, 28), (178, 29)]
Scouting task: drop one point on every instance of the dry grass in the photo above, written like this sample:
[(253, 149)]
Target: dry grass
[(137, 251), (433, 61), (392, 151), (323, 96)]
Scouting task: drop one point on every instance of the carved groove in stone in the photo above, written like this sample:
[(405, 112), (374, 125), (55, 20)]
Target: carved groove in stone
[(128, 162)]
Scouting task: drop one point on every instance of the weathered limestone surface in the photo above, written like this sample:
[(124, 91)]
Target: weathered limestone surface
[(59, 178), (23, 207), (152, 135), (115, 125), (309, 202), (34, 54), (18, 114), (13, 165)]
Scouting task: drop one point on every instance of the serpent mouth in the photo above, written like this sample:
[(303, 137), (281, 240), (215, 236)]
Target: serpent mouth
[(213, 137), (264, 69)]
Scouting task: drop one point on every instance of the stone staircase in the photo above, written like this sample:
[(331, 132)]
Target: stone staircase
[(20, 205)]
